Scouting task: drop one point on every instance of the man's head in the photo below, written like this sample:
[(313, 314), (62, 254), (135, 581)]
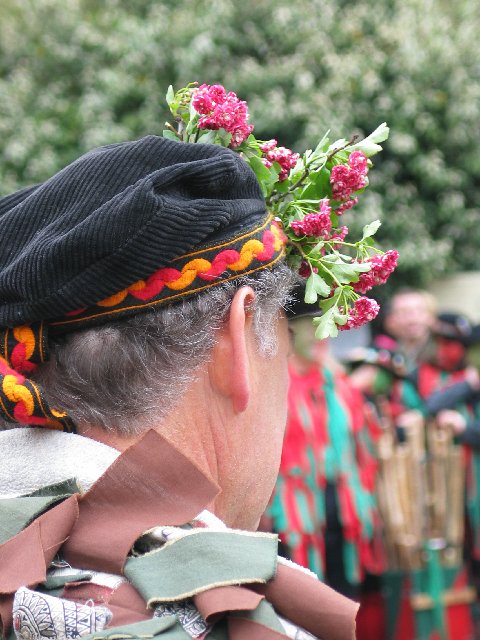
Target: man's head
[(410, 317), (126, 376), (157, 272)]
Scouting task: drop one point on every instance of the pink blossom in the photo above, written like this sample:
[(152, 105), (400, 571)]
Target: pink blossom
[(380, 270), (346, 206), (346, 179), (269, 145), (314, 224), (364, 310), (283, 156), (207, 97), (324, 206), (305, 269), (221, 110), (339, 234), (358, 161)]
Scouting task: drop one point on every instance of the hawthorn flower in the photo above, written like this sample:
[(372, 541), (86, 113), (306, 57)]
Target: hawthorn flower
[(283, 156), (317, 225), (221, 110), (339, 234), (301, 199), (269, 145), (345, 206), (380, 271), (207, 97), (364, 310), (358, 162), (346, 179), (305, 269)]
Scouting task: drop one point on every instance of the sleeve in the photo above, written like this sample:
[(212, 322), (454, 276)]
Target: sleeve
[(471, 436), (448, 397)]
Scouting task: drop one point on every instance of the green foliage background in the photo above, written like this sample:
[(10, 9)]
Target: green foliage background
[(75, 74)]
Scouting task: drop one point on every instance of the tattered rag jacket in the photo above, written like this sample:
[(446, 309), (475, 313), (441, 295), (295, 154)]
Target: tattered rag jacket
[(97, 544)]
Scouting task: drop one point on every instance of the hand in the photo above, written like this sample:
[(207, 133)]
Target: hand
[(472, 377), (409, 419), (449, 419), (363, 377)]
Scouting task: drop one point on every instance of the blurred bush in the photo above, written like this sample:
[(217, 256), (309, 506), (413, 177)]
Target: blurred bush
[(75, 74)]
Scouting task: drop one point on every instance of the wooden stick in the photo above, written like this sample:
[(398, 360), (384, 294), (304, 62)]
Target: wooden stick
[(464, 595)]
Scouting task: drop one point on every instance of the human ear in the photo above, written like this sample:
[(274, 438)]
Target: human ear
[(229, 370)]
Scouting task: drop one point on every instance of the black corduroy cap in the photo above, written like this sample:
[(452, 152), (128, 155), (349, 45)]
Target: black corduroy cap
[(122, 229), (114, 217)]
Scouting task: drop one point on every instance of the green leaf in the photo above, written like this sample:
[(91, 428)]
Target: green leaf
[(340, 318), (266, 177), (369, 145), (320, 286), (192, 111), (294, 261), (332, 301), (317, 185), (170, 97), (326, 327), (322, 145), (371, 229), (346, 273), (170, 135), (318, 246), (223, 137), (311, 294), (344, 256), (261, 171), (282, 187), (380, 134), (207, 138)]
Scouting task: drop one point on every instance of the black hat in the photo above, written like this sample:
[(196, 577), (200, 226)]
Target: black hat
[(454, 326), (124, 228), (119, 214)]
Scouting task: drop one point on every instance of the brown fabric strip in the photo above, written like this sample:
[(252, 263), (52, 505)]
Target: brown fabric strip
[(22, 561), (55, 526), (310, 604), (213, 603), (6, 614), (125, 603), (80, 592), (151, 483), (243, 629), (127, 606), (25, 557)]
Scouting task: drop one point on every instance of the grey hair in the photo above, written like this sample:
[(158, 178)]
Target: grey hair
[(126, 376)]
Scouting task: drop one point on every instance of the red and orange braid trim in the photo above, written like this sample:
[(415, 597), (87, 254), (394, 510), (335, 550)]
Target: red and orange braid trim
[(22, 401), (194, 272), (23, 348)]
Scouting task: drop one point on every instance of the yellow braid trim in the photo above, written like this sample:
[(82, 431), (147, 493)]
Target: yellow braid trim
[(18, 393)]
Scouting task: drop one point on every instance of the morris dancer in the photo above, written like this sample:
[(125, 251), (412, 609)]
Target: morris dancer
[(143, 360)]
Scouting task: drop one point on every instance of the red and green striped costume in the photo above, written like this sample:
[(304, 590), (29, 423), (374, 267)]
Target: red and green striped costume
[(328, 439)]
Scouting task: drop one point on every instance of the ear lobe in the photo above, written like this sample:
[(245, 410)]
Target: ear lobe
[(230, 371)]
